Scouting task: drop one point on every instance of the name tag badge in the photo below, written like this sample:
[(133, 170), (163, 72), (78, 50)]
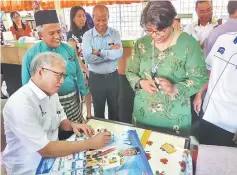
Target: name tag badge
[(71, 59)]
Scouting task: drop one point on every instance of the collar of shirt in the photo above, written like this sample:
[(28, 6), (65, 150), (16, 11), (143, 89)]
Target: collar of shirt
[(206, 26), (45, 47), (37, 91), (96, 33)]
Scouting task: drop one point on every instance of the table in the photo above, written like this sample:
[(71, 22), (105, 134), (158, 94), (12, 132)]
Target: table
[(167, 154)]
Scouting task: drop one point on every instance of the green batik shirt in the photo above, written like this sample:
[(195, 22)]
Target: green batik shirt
[(183, 65), (74, 80)]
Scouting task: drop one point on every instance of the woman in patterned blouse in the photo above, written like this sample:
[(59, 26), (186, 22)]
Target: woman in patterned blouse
[(79, 26), (166, 68)]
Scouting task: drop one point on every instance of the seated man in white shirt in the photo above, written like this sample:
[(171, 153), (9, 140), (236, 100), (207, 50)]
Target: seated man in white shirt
[(219, 123), (32, 116)]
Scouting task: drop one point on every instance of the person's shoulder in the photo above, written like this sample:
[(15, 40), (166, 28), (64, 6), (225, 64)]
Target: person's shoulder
[(89, 32), (187, 41), (145, 40), (27, 26), (185, 37), (113, 30), (189, 28), (227, 38), (22, 97), (34, 49), (66, 46)]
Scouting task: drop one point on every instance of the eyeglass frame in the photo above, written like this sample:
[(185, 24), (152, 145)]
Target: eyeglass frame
[(59, 75), (15, 17), (157, 32)]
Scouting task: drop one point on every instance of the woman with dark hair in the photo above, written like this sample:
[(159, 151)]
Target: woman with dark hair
[(165, 69), (79, 26), (19, 29)]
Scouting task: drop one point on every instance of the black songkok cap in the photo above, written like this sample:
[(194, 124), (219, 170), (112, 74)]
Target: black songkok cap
[(46, 17)]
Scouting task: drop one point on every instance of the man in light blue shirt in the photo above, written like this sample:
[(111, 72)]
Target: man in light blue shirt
[(102, 49)]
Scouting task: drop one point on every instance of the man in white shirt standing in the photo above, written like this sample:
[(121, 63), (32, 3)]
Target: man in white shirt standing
[(219, 123), (32, 116), (202, 28)]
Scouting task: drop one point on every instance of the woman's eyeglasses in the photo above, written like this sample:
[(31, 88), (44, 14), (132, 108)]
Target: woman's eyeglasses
[(59, 75), (15, 17), (158, 33)]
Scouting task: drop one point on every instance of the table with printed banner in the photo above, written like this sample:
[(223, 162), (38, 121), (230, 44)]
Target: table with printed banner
[(131, 151)]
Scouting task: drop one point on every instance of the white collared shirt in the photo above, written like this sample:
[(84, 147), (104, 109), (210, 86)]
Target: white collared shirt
[(220, 104), (200, 33), (31, 121)]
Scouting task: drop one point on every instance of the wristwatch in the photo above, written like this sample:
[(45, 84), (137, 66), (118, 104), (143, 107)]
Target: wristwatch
[(138, 85), (99, 52)]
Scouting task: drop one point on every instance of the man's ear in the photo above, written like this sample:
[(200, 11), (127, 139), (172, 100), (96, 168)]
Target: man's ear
[(40, 35), (40, 71)]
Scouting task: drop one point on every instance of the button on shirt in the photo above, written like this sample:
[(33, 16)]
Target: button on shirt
[(220, 104), (107, 62), (200, 33), (31, 121), (74, 80)]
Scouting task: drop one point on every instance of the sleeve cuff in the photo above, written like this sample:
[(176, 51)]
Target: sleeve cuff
[(103, 53), (64, 117)]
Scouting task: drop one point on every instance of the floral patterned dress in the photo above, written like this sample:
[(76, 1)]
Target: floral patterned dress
[(183, 65)]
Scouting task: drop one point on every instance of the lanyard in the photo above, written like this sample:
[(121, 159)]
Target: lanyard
[(154, 66), (154, 70)]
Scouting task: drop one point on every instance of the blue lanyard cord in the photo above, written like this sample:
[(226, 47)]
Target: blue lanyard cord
[(154, 70), (154, 66)]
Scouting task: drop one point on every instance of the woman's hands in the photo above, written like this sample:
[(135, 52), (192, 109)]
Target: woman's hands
[(149, 86)]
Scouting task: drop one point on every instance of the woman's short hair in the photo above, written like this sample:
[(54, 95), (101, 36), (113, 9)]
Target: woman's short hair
[(158, 13)]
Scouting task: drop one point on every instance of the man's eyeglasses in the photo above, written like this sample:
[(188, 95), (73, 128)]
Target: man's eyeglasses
[(158, 33), (59, 75)]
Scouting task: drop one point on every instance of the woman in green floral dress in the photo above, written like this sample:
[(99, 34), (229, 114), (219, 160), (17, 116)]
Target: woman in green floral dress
[(165, 69)]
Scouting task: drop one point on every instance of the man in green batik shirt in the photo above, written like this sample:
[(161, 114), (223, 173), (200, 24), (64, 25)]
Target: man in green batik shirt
[(49, 29)]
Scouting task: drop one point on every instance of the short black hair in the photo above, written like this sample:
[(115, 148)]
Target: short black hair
[(232, 7), (158, 13), (201, 1)]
